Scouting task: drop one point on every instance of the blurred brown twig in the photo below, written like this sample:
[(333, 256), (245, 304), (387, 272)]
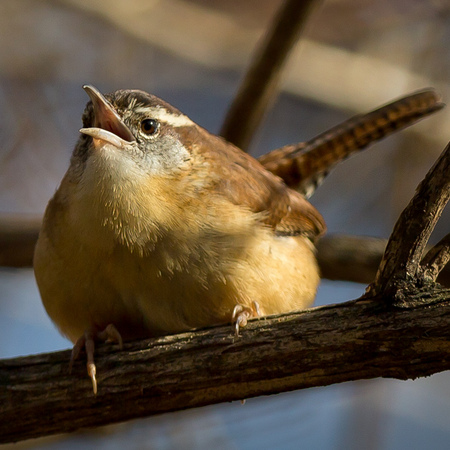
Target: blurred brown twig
[(259, 87)]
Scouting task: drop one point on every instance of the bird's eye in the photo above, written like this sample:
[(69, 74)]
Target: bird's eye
[(149, 126)]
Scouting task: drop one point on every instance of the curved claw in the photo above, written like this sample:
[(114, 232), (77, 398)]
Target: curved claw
[(242, 313), (87, 341), (92, 371)]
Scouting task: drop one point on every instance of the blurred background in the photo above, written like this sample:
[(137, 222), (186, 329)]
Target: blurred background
[(354, 56)]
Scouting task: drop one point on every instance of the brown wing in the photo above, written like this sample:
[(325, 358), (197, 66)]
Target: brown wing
[(244, 181)]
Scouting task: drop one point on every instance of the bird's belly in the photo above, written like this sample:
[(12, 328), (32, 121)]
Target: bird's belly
[(142, 297)]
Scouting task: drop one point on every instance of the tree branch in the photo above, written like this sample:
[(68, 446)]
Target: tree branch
[(18, 236), (437, 259), (259, 86), (318, 347), (357, 258), (402, 259)]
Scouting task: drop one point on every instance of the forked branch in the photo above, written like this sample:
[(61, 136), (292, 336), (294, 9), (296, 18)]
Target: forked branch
[(403, 264)]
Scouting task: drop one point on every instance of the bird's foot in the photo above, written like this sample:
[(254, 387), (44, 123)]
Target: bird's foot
[(87, 341), (241, 314)]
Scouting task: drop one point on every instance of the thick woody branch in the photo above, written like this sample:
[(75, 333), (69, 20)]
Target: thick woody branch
[(318, 347), (260, 84), (401, 262)]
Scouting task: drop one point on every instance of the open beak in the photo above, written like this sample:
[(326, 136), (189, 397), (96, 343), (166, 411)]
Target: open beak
[(108, 126)]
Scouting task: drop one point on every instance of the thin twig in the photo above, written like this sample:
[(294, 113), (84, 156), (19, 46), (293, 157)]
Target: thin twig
[(18, 236), (356, 258), (259, 86), (350, 258), (436, 259)]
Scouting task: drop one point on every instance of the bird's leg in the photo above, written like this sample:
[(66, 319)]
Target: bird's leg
[(87, 341), (241, 314)]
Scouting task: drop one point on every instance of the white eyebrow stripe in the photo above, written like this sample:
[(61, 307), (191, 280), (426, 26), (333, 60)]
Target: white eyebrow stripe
[(163, 115)]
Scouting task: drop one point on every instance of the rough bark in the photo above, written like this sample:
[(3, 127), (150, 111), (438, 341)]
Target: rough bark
[(350, 341), (404, 263)]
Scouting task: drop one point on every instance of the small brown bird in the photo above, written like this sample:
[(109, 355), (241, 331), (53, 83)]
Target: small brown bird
[(160, 227)]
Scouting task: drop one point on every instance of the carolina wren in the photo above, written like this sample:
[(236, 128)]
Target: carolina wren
[(160, 227)]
